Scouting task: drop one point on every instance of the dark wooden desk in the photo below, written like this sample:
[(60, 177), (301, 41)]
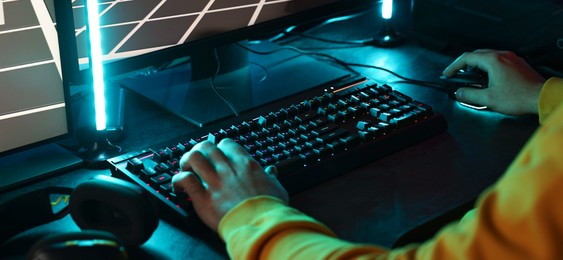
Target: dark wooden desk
[(372, 204)]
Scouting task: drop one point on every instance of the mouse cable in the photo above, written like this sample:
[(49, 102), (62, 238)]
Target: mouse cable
[(266, 72), (429, 84), (214, 86), (301, 52), (349, 65), (358, 43), (292, 30)]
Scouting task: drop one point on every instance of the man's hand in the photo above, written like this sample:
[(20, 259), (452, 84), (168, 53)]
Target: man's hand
[(217, 178), (514, 87)]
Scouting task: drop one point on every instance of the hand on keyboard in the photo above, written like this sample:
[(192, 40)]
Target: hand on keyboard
[(227, 176)]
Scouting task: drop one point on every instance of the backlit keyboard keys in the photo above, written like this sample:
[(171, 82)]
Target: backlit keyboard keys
[(156, 181), (351, 141), (333, 135), (162, 168), (147, 173), (166, 188)]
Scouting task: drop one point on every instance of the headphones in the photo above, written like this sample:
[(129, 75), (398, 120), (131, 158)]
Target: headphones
[(113, 214)]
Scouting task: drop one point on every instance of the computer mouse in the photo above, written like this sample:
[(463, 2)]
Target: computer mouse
[(467, 77)]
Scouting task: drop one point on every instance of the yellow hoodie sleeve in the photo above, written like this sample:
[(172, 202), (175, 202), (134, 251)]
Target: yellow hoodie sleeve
[(520, 217), (550, 97)]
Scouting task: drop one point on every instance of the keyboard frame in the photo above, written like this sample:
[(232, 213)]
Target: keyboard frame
[(307, 177)]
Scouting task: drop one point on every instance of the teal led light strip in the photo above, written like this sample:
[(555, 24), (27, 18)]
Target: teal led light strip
[(387, 9), (96, 63)]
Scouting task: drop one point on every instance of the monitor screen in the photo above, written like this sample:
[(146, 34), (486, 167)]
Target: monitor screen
[(32, 92), (136, 27)]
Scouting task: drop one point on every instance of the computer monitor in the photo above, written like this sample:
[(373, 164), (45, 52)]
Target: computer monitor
[(143, 33), (34, 107), (140, 33)]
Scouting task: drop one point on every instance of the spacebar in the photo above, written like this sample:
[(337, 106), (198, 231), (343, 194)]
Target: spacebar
[(290, 165)]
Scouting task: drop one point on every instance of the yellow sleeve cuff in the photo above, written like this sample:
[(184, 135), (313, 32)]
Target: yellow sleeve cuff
[(550, 97), (251, 224)]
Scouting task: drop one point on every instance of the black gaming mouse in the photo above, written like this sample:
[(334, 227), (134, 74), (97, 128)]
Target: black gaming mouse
[(468, 77)]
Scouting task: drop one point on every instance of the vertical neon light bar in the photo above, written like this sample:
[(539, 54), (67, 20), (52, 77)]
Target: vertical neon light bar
[(386, 36), (96, 64), (387, 9), (101, 149)]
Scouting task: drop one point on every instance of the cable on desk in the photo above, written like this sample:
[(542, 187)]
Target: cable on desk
[(349, 65), (214, 87), (291, 30), (355, 43), (266, 72), (302, 52), (429, 84)]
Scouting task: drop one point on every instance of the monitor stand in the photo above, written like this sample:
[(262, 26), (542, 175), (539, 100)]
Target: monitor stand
[(247, 81), (35, 163)]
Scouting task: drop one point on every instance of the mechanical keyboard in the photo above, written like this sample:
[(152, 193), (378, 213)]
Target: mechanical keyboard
[(311, 138)]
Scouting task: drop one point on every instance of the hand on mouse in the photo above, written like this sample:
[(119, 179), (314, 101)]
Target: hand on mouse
[(230, 176), (513, 89)]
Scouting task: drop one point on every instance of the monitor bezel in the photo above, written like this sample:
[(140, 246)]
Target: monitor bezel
[(68, 73)]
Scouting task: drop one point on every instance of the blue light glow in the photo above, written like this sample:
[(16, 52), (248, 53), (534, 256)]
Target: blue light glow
[(96, 64), (387, 9), (473, 106)]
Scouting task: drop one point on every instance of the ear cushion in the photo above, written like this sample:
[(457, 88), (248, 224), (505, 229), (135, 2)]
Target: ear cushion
[(116, 206), (31, 209), (88, 244)]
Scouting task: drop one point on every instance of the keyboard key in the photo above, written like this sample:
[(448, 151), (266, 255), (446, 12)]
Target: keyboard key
[(165, 188), (351, 141), (135, 166), (362, 125), (325, 129), (333, 135), (147, 173), (336, 146), (322, 152), (178, 150), (310, 157), (216, 137), (162, 168), (319, 122), (160, 179)]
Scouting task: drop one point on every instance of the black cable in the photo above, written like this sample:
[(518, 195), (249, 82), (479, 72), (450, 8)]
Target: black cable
[(358, 43), (266, 72), (428, 84), (339, 18), (301, 52), (214, 87), (348, 65), (290, 30)]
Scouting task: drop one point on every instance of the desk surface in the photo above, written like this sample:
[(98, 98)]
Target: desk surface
[(372, 204)]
